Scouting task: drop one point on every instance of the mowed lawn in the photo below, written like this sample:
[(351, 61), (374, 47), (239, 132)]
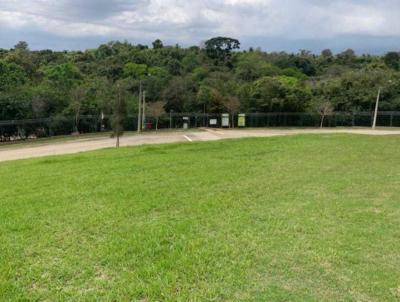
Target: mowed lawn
[(299, 218)]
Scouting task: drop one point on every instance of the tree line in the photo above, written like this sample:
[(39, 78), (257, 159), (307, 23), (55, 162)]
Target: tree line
[(215, 77)]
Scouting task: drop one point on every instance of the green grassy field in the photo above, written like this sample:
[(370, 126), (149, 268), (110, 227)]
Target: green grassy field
[(301, 218)]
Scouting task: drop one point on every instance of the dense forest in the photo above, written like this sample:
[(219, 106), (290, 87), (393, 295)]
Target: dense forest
[(216, 77)]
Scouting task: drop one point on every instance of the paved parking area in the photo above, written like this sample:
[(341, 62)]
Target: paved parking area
[(81, 145)]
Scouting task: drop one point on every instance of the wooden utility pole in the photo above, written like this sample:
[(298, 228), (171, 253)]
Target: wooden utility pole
[(144, 110), (139, 124), (376, 109)]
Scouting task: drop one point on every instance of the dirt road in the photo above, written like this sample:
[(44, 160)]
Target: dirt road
[(81, 145)]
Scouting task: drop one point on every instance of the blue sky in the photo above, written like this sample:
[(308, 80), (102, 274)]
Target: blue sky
[(368, 26)]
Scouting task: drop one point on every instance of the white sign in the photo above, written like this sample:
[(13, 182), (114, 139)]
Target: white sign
[(225, 120), (213, 122)]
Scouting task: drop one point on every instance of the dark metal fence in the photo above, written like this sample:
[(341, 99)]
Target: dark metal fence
[(289, 119), (65, 125)]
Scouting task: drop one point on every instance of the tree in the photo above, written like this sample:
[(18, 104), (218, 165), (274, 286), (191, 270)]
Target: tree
[(220, 49), (135, 71), (15, 105), (45, 83), (190, 62), (39, 106), (22, 45), (11, 76), (174, 67), (251, 66), (158, 44), (63, 76), (78, 95), (203, 97), (22, 56), (327, 53), (347, 57), (179, 94), (119, 111), (306, 65), (268, 94), (232, 104), (392, 60), (324, 109), (103, 94), (156, 110)]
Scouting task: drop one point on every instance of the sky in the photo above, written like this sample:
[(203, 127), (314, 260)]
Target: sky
[(367, 26)]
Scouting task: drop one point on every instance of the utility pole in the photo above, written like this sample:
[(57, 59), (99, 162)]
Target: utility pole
[(376, 108), (139, 125), (170, 118), (144, 110)]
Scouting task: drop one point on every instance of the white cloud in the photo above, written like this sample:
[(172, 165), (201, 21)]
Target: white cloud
[(190, 21)]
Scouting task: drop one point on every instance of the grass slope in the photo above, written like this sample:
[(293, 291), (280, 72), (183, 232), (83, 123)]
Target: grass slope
[(303, 218)]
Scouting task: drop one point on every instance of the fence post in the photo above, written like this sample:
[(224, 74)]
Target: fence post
[(391, 119), (372, 119)]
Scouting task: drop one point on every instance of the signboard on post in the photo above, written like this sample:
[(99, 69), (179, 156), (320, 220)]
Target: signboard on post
[(186, 122), (213, 122), (242, 120), (225, 120)]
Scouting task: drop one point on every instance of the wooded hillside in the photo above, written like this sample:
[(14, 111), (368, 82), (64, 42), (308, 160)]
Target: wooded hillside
[(35, 84)]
